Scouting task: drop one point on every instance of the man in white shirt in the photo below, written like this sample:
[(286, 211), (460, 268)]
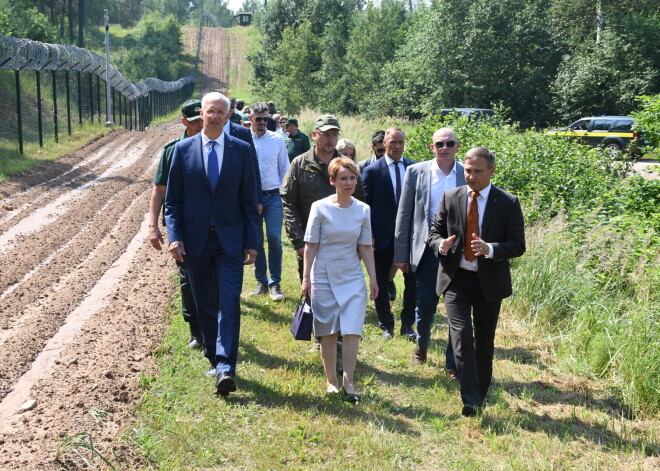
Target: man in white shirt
[(423, 188), (383, 184), (273, 166)]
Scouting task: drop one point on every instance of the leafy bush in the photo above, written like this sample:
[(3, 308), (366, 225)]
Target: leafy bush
[(648, 118), (153, 50), (592, 264)]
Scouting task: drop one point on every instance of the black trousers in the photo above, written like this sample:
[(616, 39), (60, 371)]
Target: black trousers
[(473, 346), (188, 308), (383, 261)]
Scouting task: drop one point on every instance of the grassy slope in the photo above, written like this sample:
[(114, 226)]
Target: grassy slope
[(537, 416)]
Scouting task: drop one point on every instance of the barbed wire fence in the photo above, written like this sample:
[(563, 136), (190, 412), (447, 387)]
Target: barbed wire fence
[(46, 90)]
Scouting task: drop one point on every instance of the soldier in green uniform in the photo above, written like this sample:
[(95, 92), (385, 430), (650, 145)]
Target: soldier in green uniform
[(308, 180), (192, 121), (296, 142)]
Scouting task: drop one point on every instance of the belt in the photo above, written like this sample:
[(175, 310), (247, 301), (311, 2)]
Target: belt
[(468, 272), (211, 227), (276, 191)]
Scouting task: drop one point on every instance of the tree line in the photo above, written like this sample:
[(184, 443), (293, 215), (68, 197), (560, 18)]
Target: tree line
[(71, 21), (547, 61)]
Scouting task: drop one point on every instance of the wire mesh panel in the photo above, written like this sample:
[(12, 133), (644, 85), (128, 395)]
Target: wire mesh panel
[(8, 105)]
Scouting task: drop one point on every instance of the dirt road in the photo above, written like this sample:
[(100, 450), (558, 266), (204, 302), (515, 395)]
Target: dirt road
[(81, 295), (82, 292)]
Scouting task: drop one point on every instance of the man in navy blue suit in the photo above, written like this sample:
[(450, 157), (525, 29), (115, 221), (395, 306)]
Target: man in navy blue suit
[(211, 212), (383, 182)]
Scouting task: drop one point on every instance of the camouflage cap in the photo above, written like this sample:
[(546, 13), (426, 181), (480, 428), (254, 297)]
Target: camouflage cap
[(325, 122), (190, 109)]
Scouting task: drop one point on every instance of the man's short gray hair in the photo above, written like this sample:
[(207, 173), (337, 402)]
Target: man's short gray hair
[(216, 96)]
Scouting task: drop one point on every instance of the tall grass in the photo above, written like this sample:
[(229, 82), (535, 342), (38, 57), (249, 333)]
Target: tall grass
[(599, 304), (355, 128)]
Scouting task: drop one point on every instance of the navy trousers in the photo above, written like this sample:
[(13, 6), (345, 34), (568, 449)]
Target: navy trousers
[(217, 281)]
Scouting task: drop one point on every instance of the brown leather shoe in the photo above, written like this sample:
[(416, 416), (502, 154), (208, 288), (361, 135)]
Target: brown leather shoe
[(419, 356)]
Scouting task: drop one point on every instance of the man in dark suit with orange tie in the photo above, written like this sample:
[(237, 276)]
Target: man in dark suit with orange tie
[(476, 230), (212, 221)]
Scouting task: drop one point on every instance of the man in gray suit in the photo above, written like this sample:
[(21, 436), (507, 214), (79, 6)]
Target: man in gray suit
[(423, 187), (476, 230)]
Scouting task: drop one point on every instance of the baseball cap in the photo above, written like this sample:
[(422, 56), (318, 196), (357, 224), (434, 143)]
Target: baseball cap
[(325, 122), (293, 121), (190, 109)]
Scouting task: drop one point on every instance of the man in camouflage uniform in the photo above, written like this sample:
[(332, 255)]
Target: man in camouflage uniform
[(192, 121), (296, 142), (308, 180)]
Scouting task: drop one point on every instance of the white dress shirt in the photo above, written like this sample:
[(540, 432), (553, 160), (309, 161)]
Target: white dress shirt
[(439, 184), (392, 168), (481, 207), (219, 150), (273, 159)]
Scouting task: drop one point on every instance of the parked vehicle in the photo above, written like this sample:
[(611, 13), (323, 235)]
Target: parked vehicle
[(615, 133), (470, 113)]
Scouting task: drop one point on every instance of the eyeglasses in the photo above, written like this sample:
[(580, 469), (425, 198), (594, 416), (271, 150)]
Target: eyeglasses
[(440, 144), (379, 150), (260, 119)]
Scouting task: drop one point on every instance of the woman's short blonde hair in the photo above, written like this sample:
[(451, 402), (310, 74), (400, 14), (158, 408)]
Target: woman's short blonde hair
[(343, 143), (342, 162)]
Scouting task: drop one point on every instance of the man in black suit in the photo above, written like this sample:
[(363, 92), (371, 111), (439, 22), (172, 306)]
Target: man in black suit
[(476, 230), (383, 183)]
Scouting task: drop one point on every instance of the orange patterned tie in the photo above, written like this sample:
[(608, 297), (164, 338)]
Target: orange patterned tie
[(472, 227)]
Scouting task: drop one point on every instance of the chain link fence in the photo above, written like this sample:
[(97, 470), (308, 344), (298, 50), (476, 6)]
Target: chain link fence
[(47, 90)]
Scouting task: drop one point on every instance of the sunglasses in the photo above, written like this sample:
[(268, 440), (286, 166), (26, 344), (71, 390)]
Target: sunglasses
[(440, 144), (259, 119), (379, 151)]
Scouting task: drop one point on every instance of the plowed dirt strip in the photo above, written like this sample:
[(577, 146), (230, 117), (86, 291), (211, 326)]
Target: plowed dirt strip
[(78, 245), (215, 76)]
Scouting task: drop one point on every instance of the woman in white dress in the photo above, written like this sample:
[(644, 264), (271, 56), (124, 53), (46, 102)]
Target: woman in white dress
[(339, 227)]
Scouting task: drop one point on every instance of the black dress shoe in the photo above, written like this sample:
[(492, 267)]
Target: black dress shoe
[(408, 332), (352, 398), (224, 383), (387, 334), (469, 410), (391, 290)]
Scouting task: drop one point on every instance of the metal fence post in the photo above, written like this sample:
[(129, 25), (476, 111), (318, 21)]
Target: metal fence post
[(79, 100), (91, 99), (130, 116), (18, 109), (39, 119), (68, 102), (98, 98), (55, 103)]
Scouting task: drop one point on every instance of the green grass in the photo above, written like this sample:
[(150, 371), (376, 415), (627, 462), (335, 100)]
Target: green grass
[(12, 162), (246, 38), (538, 416)]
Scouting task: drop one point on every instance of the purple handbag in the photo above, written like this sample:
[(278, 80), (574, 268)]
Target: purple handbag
[(303, 320)]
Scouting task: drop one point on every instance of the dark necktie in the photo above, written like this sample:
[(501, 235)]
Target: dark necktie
[(213, 171), (397, 190), (471, 227)]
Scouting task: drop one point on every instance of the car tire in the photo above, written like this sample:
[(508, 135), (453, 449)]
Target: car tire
[(614, 148)]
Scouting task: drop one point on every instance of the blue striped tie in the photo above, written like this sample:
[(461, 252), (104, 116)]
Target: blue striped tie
[(213, 171)]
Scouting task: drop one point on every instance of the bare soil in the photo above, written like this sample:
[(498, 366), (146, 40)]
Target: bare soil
[(82, 295), (82, 292)]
